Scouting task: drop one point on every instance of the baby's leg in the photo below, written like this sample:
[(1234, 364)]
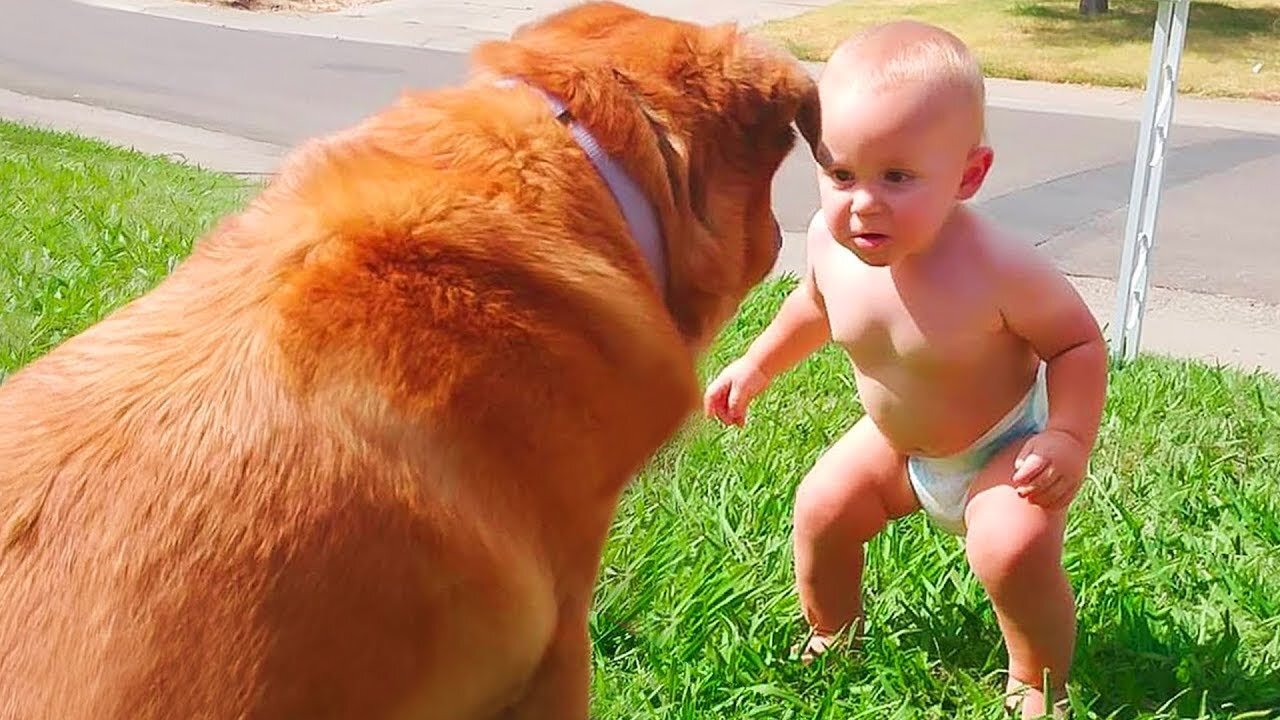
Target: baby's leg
[(854, 489), (1015, 549)]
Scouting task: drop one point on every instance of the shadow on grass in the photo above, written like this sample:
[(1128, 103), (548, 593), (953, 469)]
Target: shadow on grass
[(1212, 26), (1134, 661), (1139, 660)]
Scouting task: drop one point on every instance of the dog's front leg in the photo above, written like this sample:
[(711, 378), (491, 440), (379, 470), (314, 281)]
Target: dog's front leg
[(560, 686)]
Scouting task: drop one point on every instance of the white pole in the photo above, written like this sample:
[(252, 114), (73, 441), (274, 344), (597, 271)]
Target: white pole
[(1144, 196)]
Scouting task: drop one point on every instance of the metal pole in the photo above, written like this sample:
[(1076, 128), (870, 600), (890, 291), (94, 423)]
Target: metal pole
[(1148, 171)]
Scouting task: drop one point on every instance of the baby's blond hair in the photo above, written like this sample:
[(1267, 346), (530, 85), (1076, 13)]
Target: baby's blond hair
[(907, 52)]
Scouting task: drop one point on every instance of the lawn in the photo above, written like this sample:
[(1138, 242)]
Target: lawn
[(1174, 546), (84, 227), (1049, 39)]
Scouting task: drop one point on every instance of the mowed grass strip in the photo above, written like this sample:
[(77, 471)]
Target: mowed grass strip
[(1173, 546), (1232, 48)]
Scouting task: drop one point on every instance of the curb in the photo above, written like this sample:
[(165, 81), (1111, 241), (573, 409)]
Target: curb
[(1226, 330), (1216, 329), (197, 146)]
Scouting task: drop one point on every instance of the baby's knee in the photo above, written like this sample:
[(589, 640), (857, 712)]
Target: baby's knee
[(1008, 555), (825, 511)]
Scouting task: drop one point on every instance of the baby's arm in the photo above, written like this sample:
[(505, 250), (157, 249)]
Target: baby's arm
[(799, 328), (1040, 305)]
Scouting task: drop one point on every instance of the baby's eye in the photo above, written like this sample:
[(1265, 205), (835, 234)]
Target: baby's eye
[(897, 176), (841, 176)]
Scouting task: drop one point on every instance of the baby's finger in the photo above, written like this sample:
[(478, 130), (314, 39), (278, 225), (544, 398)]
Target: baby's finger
[(1060, 495), (737, 405), (1035, 493), (716, 401), (1037, 483), (1025, 469), (735, 398), (1049, 489), (709, 399)]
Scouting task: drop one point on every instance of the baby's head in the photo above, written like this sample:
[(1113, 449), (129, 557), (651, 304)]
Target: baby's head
[(902, 137)]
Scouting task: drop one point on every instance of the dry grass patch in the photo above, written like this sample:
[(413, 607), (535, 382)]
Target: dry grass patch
[(1233, 48), (287, 5)]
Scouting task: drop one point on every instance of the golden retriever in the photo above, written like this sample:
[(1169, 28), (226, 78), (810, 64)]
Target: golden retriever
[(357, 456)]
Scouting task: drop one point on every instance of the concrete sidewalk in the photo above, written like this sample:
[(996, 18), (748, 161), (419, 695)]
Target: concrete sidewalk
[(445, 24), (182, 143), (1235, 330), (1219, 329), (456, 25)]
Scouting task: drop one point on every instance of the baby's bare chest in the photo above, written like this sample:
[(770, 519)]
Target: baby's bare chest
[(879, 321)]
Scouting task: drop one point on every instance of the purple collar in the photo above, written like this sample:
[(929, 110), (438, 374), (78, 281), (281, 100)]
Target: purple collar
[(641, 217)]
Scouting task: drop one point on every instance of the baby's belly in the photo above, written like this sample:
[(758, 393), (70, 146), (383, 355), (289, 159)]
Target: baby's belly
[(939, 418)]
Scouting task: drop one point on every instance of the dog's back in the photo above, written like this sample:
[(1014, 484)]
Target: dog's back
[(358, 455), (296, 464)]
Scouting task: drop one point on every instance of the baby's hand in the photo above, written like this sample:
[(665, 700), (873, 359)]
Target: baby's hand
[(728, 396), (1050, 469)]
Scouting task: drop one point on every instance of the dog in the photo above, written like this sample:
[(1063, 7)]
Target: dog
[(358, 454)]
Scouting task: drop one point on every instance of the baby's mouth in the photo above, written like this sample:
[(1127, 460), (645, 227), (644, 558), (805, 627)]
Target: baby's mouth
[(869, 241)]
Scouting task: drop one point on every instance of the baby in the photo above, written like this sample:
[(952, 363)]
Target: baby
[(982, 372)]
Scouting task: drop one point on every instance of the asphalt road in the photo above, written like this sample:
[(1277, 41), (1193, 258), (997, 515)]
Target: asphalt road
[(1061, 180)]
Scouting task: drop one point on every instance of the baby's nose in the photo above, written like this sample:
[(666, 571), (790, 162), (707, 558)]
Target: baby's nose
[(861, 200)]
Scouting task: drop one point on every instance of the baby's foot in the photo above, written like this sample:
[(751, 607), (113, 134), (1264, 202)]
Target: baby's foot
[(816, 644), (1027, 703)]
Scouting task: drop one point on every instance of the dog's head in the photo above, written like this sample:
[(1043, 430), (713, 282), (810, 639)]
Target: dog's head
[(701, 117)]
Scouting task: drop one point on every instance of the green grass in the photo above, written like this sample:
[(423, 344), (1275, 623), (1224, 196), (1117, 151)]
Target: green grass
[(1173, 547), (85, 227), (1049, 39)]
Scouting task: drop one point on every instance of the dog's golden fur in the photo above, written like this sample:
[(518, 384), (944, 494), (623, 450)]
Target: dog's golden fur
[(357, 456)]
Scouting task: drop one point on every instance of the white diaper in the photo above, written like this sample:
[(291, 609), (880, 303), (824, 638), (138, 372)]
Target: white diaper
[(942, 484)]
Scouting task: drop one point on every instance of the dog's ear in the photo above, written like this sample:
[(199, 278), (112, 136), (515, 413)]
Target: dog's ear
[(698, 191), (809, 119), (796, 91), (690, 186), (780, 85)]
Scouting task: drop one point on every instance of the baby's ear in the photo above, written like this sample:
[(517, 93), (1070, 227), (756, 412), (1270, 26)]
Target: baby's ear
[(976, 167)]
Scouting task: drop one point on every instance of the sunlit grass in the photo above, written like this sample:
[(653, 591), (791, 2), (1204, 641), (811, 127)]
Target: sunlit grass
[(1173, 546), (1232, 48)]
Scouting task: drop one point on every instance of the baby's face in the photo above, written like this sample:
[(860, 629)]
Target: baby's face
[(892, 164)]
